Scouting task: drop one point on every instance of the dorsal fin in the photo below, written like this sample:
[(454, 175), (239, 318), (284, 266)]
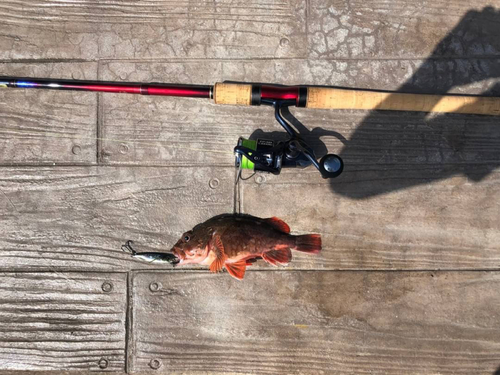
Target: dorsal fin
[(278, 224)]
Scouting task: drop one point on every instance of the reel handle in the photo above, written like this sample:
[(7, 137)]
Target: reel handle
[(331, 166)]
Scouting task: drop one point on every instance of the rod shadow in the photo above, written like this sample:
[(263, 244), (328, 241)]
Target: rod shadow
[(390, 151)]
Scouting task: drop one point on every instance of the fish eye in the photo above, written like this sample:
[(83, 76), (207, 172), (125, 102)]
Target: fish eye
[(186, 238)]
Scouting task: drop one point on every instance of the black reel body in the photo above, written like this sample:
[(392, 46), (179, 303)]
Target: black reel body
[(270, 156)]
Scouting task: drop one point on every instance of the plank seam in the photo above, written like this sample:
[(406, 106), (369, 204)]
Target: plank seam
[(329, 270), (128, 322), (191, 59), (61, 270)]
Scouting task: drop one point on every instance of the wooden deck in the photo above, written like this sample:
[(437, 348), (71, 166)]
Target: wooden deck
[(408, 281)]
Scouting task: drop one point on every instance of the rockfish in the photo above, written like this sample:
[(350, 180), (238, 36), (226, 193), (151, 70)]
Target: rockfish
[(236, 241)]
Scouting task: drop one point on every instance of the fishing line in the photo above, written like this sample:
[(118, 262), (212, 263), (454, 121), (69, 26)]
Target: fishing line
[(237, 192), (246, 178)]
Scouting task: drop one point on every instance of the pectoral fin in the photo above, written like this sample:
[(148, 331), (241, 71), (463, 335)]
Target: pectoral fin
[(220, 256), (237, 270)]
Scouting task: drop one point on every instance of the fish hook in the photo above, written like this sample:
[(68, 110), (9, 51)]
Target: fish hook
[(128, 247)]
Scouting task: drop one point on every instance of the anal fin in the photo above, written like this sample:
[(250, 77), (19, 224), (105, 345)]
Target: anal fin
[(237, 270), (280, 256)]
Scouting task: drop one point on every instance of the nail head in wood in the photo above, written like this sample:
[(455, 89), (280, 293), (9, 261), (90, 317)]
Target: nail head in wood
[(107, 287), (123, 148), (155, 364), (154, 287), (260, 179), (284, 42), (76, 150), (214, 183), (103, 363)]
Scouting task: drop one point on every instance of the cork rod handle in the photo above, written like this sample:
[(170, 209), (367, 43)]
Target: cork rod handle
[(333, 98), (233, 93), (330, 98)]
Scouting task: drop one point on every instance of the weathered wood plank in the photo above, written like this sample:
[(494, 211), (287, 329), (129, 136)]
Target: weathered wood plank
[(441, 166), (392, 218), (77, 218), (59, 372), (402, 29), (170, 131), (158, 29), (42, 126), (313, 322), (177, 131), (62, 321)]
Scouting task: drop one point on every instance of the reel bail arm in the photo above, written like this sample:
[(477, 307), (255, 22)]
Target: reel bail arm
[(271, 156)]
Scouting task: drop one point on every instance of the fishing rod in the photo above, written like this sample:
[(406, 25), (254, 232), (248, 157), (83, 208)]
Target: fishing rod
[(270, 155)]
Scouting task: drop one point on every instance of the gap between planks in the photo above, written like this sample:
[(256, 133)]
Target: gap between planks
[(202, 59)]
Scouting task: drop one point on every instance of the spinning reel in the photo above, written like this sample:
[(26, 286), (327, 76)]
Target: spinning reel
[(270, 156)]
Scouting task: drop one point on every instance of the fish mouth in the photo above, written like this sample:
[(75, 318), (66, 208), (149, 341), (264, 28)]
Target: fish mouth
[(175, 260), (179, 254)]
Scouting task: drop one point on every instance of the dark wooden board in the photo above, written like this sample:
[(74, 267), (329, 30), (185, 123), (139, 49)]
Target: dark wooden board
[(316, 323), (402, 29), (77, 218), (47, 127), (62, 321), (165, 29)]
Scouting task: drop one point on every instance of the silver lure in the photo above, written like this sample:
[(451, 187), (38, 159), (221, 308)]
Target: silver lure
[(150, 257)]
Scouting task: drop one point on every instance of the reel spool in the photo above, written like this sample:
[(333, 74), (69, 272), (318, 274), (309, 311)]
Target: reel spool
[(270, 156), (264, 157)]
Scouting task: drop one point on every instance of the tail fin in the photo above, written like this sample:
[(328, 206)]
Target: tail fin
[(309, 243)]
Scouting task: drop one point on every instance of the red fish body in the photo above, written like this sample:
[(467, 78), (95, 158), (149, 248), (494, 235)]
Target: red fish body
[(236, 241)]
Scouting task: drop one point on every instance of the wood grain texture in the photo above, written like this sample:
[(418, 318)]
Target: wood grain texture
[(153, 29), (317, 322), (58, 372), (402, 29), (43, 126), (171, 131), (62, 321), (386, 217), (178, 131), (77, 218)]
